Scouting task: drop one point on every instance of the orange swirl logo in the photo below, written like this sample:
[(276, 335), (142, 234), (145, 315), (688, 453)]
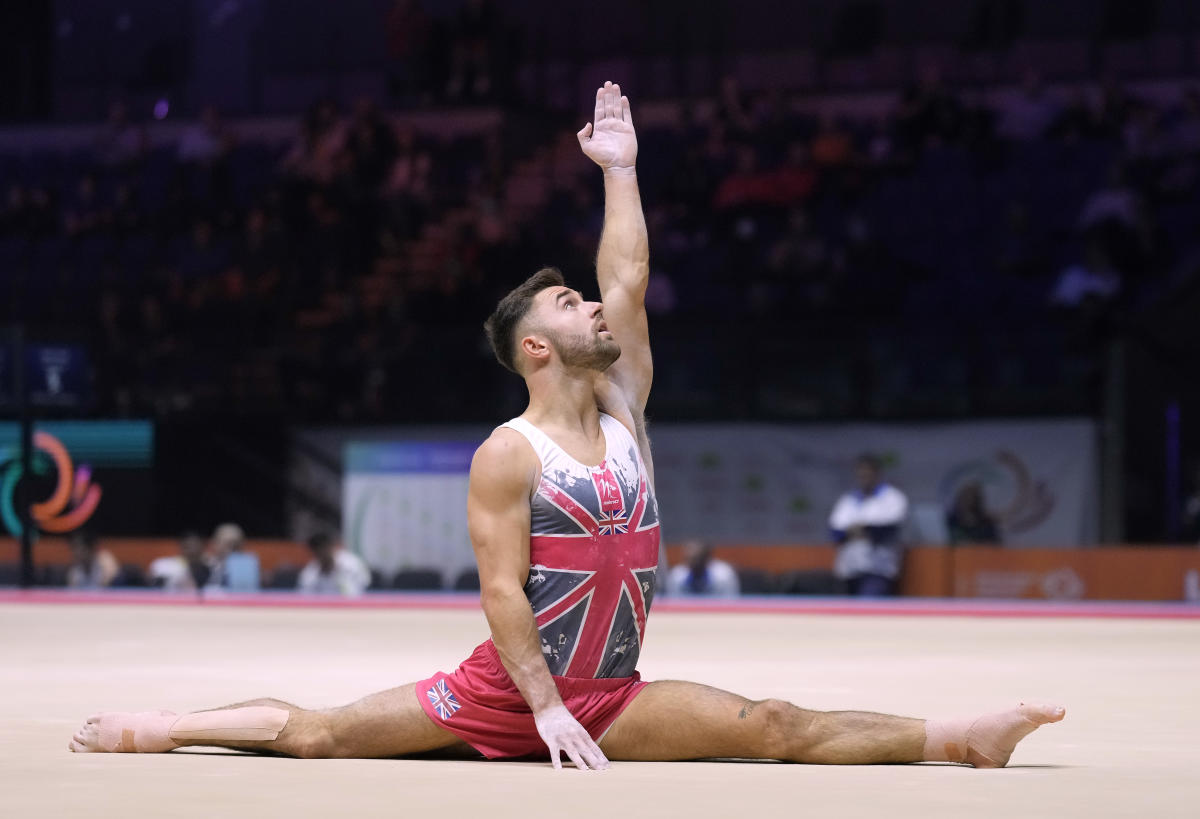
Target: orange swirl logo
[(73, 500)]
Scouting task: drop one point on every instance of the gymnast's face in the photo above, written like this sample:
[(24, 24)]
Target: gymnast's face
[(574, 328)]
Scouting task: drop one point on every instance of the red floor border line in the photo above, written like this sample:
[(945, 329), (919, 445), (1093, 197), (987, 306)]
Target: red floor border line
[(922, 607)]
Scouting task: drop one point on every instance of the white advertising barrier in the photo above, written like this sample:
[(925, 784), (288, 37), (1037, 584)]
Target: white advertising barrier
[(404, 505), (769, 483)]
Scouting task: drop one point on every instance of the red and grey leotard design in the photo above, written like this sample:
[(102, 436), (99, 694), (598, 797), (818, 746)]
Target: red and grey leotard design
[(593, 550)]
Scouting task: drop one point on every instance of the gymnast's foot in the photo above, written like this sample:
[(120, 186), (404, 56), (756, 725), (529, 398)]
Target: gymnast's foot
[(144, 732), (986, 742)]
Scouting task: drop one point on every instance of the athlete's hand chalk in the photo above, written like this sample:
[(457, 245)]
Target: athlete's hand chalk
[(562, 733)]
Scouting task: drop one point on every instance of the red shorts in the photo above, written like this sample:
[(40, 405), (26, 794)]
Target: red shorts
[(479, 704)]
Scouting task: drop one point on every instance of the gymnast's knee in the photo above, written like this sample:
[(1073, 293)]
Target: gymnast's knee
[(784, 727), (315, 740)]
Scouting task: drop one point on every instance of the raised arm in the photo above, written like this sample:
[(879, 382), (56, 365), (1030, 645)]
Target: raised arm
[(623, 260), (504, 474)]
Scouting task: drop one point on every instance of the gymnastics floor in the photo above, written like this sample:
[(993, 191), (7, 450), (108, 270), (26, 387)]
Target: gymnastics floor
[(1128, 747)]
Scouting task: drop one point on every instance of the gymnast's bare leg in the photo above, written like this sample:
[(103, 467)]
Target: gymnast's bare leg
[(673, 720), (389, 723)]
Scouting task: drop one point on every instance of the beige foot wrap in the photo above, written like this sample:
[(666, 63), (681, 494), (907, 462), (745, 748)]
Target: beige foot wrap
[(120, 732), (153, 732), (254, 723), (986, 742)]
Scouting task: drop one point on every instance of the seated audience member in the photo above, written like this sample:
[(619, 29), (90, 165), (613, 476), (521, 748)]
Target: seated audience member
[(968, 520), (190, 570), (866, 523), (91, 566), (234, 568), (333, 569), (702, 574), (208, 141)]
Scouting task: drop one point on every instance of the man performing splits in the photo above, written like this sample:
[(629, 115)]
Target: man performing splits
[(565, 528)]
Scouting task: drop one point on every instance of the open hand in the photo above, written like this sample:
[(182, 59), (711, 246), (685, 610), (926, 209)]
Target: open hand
[(609, 139), (562, 733)]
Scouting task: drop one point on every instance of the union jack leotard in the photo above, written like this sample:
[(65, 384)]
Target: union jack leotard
[(593, 553)]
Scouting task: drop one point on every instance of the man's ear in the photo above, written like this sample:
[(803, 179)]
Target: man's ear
[(535, 347)]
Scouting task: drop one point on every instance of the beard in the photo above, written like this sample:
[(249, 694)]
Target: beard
[(586, 352)]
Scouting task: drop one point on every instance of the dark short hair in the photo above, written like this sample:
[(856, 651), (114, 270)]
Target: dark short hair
[(84, 537), (870, 459), (501, 326), (320, 541)]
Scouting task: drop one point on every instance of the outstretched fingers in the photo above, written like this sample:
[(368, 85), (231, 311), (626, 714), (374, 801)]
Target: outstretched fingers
[(611, 104), (587, 755), (584, 755), (576, 758)]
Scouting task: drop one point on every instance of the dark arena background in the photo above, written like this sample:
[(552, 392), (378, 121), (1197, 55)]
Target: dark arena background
[(950, 246)]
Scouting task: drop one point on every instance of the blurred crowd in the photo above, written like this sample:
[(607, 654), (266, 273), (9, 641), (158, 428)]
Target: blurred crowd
[(315, 281), (223, 563), (1044, 200)]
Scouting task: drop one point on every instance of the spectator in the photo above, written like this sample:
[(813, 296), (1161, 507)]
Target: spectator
[(208, 141), (733, 110), (190, 570), (702, 574), (1078, 119), (322, 138), (84, 214), (968, 520), (408, 30), (1031, 113), (91, 567), (235, 568), (866, 524), (14, 219), (1191, 512), (125, 216), (204, 255), (928, 112), (333, 569), (1183, 136), (832, 146), (371, 145), (121, 142), (795, 180), (1116, 202), (995, 24), (473, 52), (801, 260), (1092, 282)]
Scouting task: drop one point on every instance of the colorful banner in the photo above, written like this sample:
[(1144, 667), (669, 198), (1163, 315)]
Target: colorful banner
[(71, 463)]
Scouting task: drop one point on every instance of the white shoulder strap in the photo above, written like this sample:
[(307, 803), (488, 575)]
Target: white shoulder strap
[(539, 440)]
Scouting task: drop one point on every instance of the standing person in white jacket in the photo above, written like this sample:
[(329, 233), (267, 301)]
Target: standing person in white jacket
[(333, 569), (866, 523)]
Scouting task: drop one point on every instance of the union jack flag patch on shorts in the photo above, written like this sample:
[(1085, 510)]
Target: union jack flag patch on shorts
[(443, 699)]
